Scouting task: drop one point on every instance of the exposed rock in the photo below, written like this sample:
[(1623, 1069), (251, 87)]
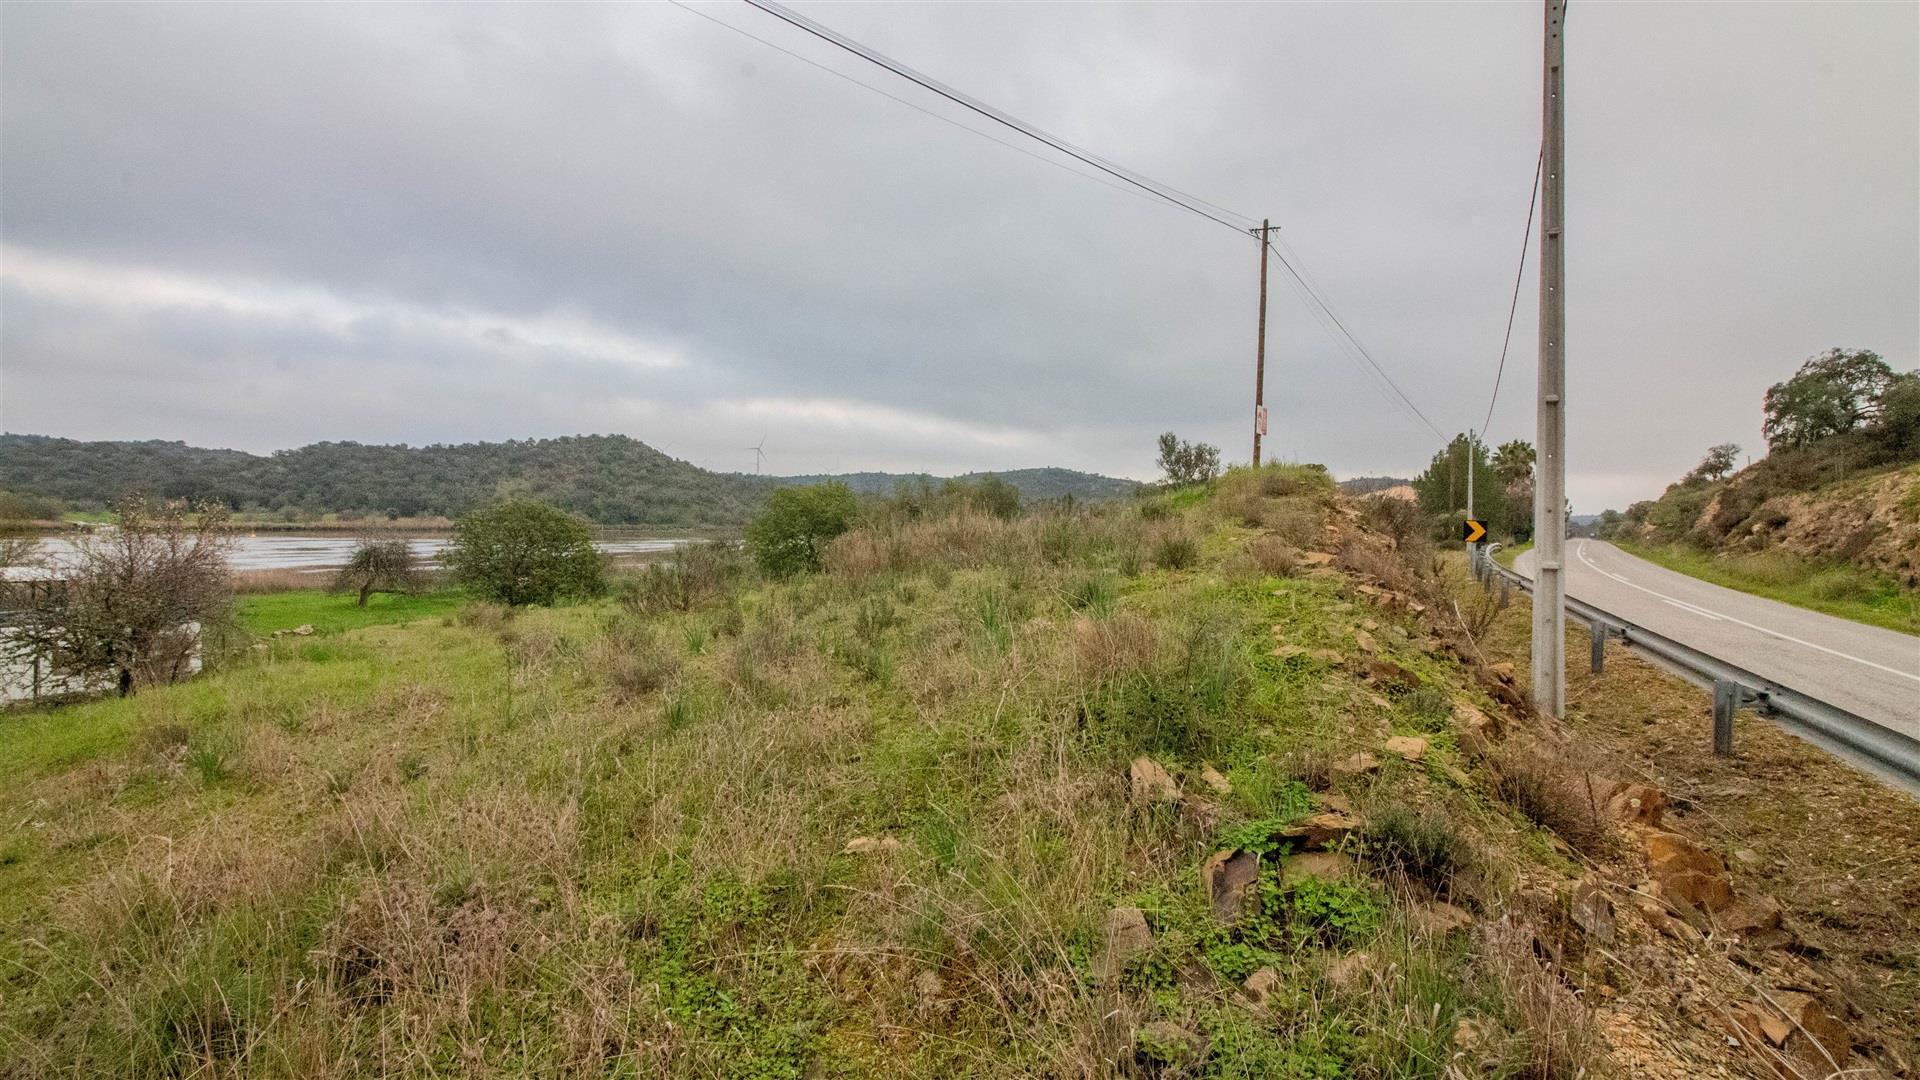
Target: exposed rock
[(1259, 985), (1288, 652), (1747, 857), (1592, 910), (1469, 718), (1148, 782), (1502, 671), (1391, 676), (1214, 779), (1687, 872), (1325, 865), (1229, 877), (1124, 938), (1359, 764), (1440, 917), (1319, 831), (1811, 1041), (1365, 641), (1317, 558), (1411, 747), (1748, 916), (1640, 803), (869, 845), (1329, 656)]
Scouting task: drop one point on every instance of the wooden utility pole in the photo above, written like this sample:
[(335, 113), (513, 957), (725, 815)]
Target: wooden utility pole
[(1550, 488), (1260, 349)]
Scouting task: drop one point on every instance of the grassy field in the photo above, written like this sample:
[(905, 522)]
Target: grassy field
[(1836, 589), (331, 613), (874, 821)]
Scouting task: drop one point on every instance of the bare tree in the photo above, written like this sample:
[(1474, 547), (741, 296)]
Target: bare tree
[(379, 565), (132, 604)]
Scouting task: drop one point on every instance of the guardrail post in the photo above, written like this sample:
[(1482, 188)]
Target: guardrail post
[(1726, 698), (1505, 592), (1597, 630)]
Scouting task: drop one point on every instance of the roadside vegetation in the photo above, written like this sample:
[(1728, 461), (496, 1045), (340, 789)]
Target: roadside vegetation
[(1840, 589), (1829, 519), (1181, 787)]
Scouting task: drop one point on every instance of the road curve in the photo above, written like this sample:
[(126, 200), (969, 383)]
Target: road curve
[(1871, 672)]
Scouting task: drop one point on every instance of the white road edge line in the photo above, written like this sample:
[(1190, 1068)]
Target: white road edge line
[(1580, 549)]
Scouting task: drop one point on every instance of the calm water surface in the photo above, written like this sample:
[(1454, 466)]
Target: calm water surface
[(293, 551)]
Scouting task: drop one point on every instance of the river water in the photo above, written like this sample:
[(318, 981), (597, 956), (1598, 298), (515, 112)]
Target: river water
[(295, 551)]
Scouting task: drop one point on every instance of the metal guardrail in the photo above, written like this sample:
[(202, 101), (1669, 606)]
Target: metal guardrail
[(1734, 687)]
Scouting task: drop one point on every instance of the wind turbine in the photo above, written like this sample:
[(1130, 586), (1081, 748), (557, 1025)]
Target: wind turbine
[(758, 455)]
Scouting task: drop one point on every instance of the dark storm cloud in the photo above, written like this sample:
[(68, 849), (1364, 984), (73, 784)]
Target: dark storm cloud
[(263, 225)]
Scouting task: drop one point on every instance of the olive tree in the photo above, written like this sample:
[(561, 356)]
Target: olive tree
[(525, 552), (378, 565), (1186, 462), (132, 605)]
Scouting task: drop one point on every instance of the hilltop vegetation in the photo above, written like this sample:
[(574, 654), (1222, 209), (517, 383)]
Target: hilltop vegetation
[(1837, 495), (609, 479)]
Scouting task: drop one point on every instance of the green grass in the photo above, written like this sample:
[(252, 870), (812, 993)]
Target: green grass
[(1506, 555), (331, 613), (1847, 592)]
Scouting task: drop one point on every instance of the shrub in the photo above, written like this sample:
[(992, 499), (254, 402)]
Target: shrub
[(1553, 797), (796, 524), (1174, 548), (525, 552), (1399, 520), (1422, 846), (635, 659), (1274, 556), (695, 575)]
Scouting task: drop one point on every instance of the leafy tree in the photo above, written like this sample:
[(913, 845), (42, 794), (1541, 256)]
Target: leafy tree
[(796, 525), (134, 604), (1513, 461), (378, 565), (525, 552), (1187, 463), (1442, 490), (1716, 465), (1898, 425), (1833, 393)]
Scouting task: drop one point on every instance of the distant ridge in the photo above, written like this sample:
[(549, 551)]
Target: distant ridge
[(1367, 485), (610, 479)]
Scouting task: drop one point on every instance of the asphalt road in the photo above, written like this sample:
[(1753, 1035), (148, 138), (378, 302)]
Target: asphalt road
[(1869, 671)]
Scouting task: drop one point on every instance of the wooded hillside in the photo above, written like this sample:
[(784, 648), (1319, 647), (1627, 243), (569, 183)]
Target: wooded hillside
[(611, 479)]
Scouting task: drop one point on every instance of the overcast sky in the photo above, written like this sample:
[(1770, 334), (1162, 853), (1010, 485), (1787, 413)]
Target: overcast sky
[(264, 225)]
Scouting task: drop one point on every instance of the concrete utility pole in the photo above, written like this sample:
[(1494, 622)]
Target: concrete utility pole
[(1260, 349), (1550, 487)]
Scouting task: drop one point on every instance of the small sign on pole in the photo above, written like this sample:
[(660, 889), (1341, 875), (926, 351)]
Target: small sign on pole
[(1260, 420), (1472, 531)]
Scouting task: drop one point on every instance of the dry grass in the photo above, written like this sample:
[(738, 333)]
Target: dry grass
[(594, 840)]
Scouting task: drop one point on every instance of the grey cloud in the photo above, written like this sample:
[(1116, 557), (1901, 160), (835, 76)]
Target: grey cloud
[(1743, 191)]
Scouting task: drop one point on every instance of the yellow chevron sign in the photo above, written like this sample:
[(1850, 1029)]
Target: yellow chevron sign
[(1472, 531)]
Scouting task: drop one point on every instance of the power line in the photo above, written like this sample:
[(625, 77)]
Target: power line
[(1153, 187), (1526, 240), (1318, 305), (917, 108)]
